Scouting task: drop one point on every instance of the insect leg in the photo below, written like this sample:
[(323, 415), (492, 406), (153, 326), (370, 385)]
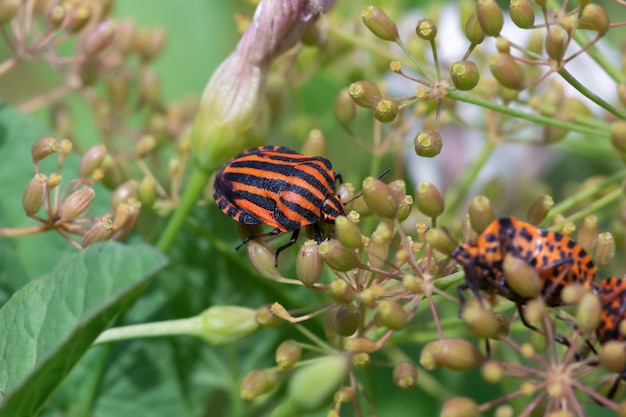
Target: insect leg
[(274, 232), (293, 239)]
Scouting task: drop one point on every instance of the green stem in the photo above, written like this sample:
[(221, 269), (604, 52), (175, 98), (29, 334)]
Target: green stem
[(194, 190), (535, 118), (188, 326), (582, 39), (589, 94), (593, 207)]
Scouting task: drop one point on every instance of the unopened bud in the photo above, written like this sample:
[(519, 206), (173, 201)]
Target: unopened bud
[(379, 23), (539, 209), (492, 372), (35, 194), (522, 13), (441, 240), (612, 356), (53, 181), (385, 109), (314, 143), (348, 233), (379, 197), (126, 215), (43, 147), (426, 29), (428, 143), (8, 9), (344, 108), (460, 407), (257, 382), (364, 93), (464, 75), (55, 15), (556, 41), (391, 315), (405, 375), (288, 354), (454, 354), (490, 17), (428, 199), (308, 263), (474, 32), (77, 203), (506, 71), (99, 38), (123, 193), (338, 257), (588, 312), (100, 231), (523, 279), (377, 250), (594, 17), (404, 208), (149, 87), (92, 160), (361, 360), (147, 192), (588, 233), (145, 145), (113, 172), (149, 43), (605, 251), (78, 16), (344, 395), (265, 317), (360, 345), (480, 321), (347, 319), (262, 259), (618, 135), (481, 213), (341, 291)]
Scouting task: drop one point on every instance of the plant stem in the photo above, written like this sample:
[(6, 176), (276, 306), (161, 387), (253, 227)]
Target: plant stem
[(23, 231), (186, 326), (589, 94)]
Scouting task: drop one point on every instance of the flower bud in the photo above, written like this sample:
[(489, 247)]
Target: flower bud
[(429, 200), (480, 321), (492, 372), (145, 145), (454, 354), (535, 310), (288, 354), (113, 172), (99, 38), (360, 345), (594, 17), (126, 215), (78, 16), (506, 71), (539, 209), (428, 143), (123, 193), (573, 293), (490, 17), (621, 93), (404, 208), (148, 43), (341, 291), (522, 13), (257, 382), (588, 233), (405, 375), (53, 181), (262, 259), (55, 15), (475, 34), (35, 194), (464, 75), (43, 147), (337, 256), (8, 9), (308, 263), (312, 386), (481, 213), (347, 320), (149, 87), (523, 279), (556, 42), (618, 135), (460, 407), (441, 240), (92, 160), (344, 108), (605, 251), (379, 197), (77, 203), (364, 93), (379, 23), (612, 356), (264, 316), (377, 250), (391, 315), (147, 192), (426, 29), (348, 233), (361, 360), (385, 109), (588, 312), (100, 231)]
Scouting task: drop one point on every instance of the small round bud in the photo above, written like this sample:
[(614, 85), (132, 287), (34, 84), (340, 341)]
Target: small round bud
[(506, 71), (605, 251), (481, 213), (341, 291), (464, 75), (344, 108), (385, 109), (99, 38), (35, 194), (77, 203), (379, 23), (347, 320), (78, 16), (8, 9), (474, 32), (426, 29), (539, 209), (460, 407), (55, 15), (314, 143), (337, 256), (92, 160), (428, 199), (492, 372), (523, 279), (612, 356), (404, 208), (265, 317), (149, 87), (594, 17), (123, 193), (147, 192), (618, 135), (405, 375), (360, 345), (348, 233), (522, 13), (53, 181), (145, 145), (428, 143), (377, 250), (257, 382), (361, 360), (262, 259), (454, 354), (503, 45), (441, 240), (379, 197), (364, 93), (556, 42), (100, 231), (113, 172), (309, 263), (480, 321), (391, 315), (573, 293), (490, 17), (588, 312), (149, 42), (288, 354), (588, 233), (43, 147), (535, 310)]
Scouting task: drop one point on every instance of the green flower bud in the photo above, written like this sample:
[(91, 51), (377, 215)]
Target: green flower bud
[(605, 251), (348, 233), (257, 382), (503, 45), (35, 194), (480, 321), (78, 16), (148, 43), (379, 23), (588, 233), (314, 143), (618, 135), (536, 310), (221, 325), (347, 320), (92, 160), (341, 291), (426, 29), (377, 250), (361, 360), (145, 145), (391, 315), (428, 143), (460, 407), (442, 241), (288, 354), (43, 147), (490, 17), (55, 15), (385, 109), (379, 197), (123, 193), (398, 188), (506, 71), (429, 200), (113, 172), (8, 9), (535, 42), (77, 203), (522, 13), (263, 260), (404, 208), (556, 42), (594, 17), (364, 93), (464, 75), (147, 192), (309, 264), (523, 279), (492, 372), (99, 38), (126, 215), (481, 213), (344, 108), (337, 256), (100, 231), (454, 354), (265, 317), (474, 32), (612, 356), (539, 209), (405, 375), (588, 312), (312, 386), (360, 345)]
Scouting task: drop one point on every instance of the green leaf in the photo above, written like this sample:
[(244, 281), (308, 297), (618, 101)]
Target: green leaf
[(49, 324)]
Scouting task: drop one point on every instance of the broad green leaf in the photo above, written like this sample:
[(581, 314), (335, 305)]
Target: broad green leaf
[(48, 324)]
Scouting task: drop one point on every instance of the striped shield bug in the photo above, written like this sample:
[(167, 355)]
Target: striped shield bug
[(281, 188)]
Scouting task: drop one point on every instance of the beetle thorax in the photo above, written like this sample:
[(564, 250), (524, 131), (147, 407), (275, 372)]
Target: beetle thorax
[(332, 207)]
